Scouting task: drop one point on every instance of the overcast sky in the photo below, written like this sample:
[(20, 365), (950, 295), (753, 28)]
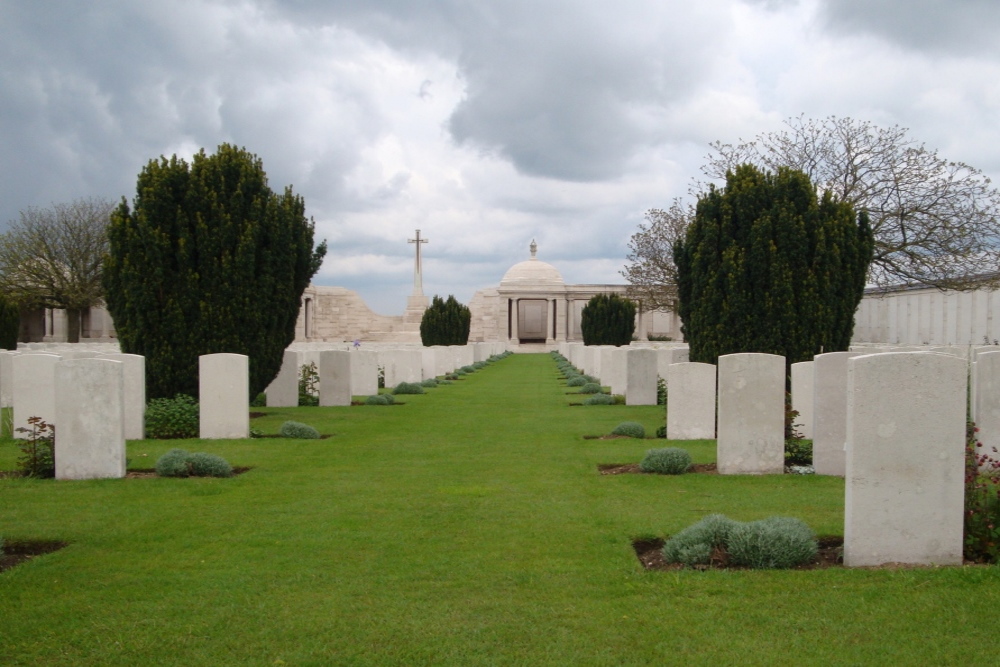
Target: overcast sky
[(482, 123)]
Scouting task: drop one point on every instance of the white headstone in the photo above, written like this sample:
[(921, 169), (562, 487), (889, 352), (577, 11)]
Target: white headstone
[(904, 489), (224, 396), (34, 389), (987, 404), (283, 392), (830, 412), (335, 378), (90, 419), (134, 377), (802, 397), (640, 376), (666, 356), (428, 362), (691, 401), (751, 414), (364, 373), (6, 378)]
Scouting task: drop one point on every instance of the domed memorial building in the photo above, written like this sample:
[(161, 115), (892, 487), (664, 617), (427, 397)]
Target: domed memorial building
[(533, 305)]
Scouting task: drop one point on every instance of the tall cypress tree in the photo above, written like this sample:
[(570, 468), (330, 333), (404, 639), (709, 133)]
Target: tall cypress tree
[(10, 323), (208, 259), (607, 319), (767, 266), (445, 322)]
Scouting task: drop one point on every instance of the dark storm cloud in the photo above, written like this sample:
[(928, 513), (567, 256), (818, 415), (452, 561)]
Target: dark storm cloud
[(955, 26), (562, 89)]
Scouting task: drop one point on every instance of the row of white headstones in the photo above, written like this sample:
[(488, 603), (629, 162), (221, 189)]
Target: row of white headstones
[(893, 423), (98, 399)]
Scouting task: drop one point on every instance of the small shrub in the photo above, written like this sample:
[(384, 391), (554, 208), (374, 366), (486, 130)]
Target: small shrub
[(180, 463), (377, 399), (591, 388), (695, 544), (173, 464), (429, 383), (599, 399), (37, 449), (666, 461), (259, 401), (661, 432), (630, 429), (293, 429), (172, 418), (460, 373), (798, 452), (408, 388), (617, 399), (982, 501), (308, 386), (451, 377), (389, 399), (661, 391), (256, 433), (591, 378), (479, 365), (209, 465), (778, 542), (576, 381), (381, 377)]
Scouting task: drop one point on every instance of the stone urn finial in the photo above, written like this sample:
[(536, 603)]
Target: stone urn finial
[(534, 248)]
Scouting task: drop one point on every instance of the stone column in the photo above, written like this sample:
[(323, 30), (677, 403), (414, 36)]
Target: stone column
[(751, 414), (905, 483), (224, 390), (90, 416)]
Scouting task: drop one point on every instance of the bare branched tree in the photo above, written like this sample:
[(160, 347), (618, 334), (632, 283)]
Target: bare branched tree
[(53, 257), (651, 273), (936, 222)]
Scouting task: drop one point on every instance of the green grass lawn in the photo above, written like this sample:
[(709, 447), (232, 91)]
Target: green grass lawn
[(468, 526)]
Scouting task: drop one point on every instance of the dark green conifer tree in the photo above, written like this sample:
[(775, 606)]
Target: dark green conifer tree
[(767, 266), (445, 322), (608, 319), (10, 323), (208, 259)]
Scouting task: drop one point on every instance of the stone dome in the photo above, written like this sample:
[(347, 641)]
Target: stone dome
[(532, 272)]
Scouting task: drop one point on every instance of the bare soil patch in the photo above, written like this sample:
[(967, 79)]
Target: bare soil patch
[(16, 552), (143, 473), (633, 469), (650, 554)]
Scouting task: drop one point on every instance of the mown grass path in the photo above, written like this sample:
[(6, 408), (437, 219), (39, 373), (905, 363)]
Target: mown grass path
[(468, 526)]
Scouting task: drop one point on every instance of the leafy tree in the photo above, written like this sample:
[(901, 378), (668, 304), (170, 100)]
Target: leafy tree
[(445, 322), (208, 259), (767, 266), (53, 258), (651, 272), (608, 319), (935, 222), (10, 323)]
